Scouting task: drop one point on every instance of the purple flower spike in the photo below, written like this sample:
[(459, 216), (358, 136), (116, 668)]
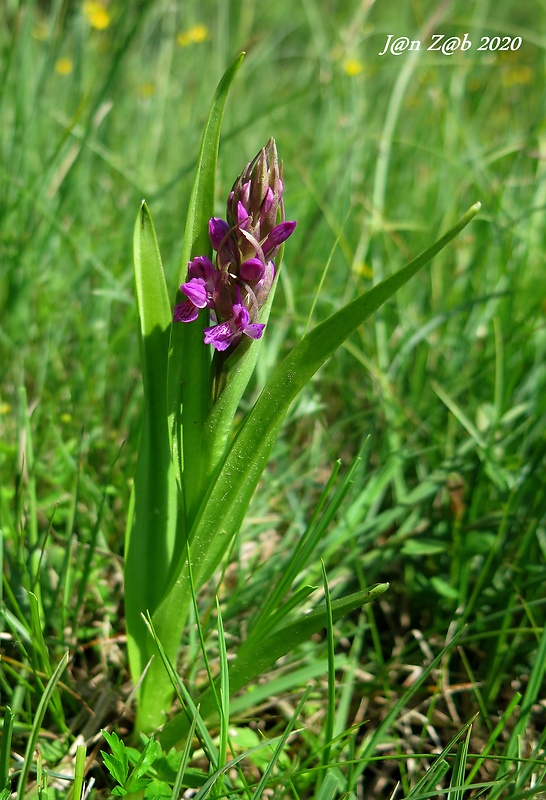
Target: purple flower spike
[(235, 287)]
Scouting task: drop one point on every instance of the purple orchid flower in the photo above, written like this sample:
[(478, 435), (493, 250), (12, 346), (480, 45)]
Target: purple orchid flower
[(199, 290), (229, 333), (236, 287)]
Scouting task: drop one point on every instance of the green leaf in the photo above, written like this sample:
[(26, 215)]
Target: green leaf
[(154, 311), (117, 762), (226, 502), (5, 748), (114, 767), (151, 538), (238, 369), (147, 758), (176, 374), (257, 654), (189, 378), (272, 608)]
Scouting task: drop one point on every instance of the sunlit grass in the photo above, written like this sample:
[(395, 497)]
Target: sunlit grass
[(101, 105)]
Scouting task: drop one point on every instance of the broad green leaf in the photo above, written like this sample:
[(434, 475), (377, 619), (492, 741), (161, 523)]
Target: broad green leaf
[(154, 311), (226, 502), (256, 655), (150, 544), (189, 375), (176, 374)]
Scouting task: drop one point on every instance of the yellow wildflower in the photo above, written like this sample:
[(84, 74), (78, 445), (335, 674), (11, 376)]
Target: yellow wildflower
[(518, 75), (64, 66), (353, 67), (363, 269), (147, 89), (96, 14), (194, 35)]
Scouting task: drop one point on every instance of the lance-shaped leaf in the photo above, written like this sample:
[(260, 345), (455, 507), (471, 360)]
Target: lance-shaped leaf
[(226, 502), (176, 376), (256, 655), (150, 544)]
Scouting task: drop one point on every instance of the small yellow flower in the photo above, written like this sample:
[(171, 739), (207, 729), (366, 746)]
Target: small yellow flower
[(147, 89), (64, 66), (96, 14), (518, 75), (66, 417), (363, 269), (352, 67), (5, 408), (194, 35)]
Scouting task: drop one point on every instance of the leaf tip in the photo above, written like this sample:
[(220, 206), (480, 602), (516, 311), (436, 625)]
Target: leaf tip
[(143, 214)]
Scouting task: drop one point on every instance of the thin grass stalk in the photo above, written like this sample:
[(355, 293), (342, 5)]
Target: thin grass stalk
[(331, 697), (36, 725)]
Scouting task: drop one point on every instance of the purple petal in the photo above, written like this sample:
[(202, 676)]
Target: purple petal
[(254, 330), (262, 288), (201, 267), (242, 214), (185, 312), (268, 201), (219, 336), (252, 270), (196, 291), (278, 235), (217, 230), (245, 193), (241, 317)]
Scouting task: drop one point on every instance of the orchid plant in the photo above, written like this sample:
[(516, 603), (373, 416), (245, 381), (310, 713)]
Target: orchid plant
[(195, 475)]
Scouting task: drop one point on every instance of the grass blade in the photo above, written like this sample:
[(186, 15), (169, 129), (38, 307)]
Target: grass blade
[(79, 772), (38, 719), (152, 521), (331, 707), (256, 655), (5, 747), (280, 745)]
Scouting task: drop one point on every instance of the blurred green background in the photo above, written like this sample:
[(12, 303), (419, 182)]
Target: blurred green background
[(103, 104)]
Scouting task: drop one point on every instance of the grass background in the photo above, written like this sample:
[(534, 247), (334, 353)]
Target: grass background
[(448, 380)]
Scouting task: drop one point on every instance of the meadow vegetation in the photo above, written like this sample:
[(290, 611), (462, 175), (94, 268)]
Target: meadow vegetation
[(415, 457)]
